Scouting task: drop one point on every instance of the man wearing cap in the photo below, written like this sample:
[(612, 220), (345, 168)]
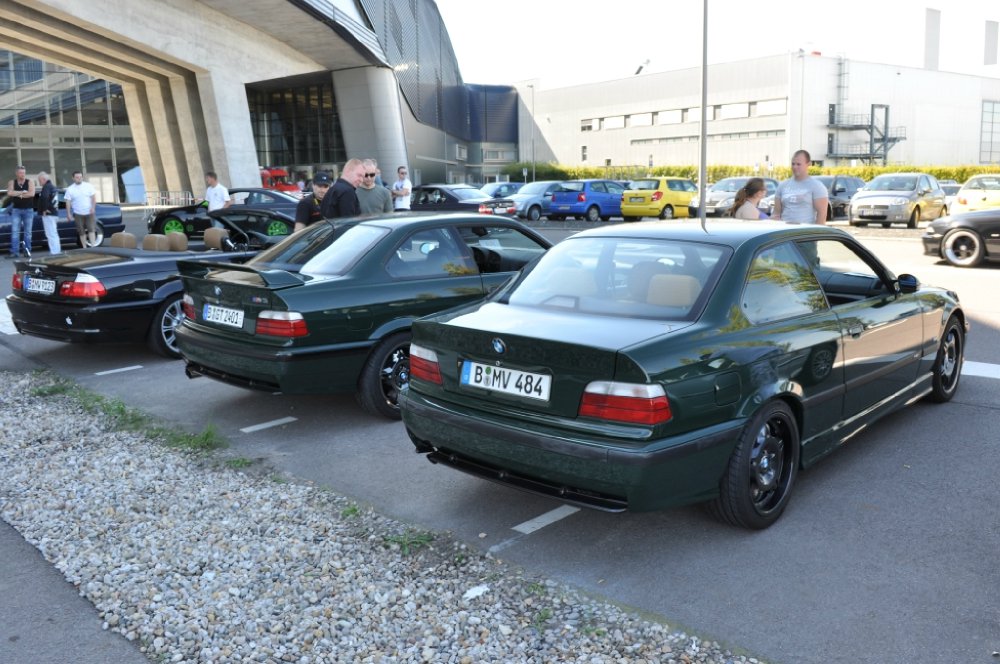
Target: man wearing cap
[(307, 212)]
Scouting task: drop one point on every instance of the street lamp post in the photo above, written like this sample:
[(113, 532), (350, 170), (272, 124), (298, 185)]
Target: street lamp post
[(532, 121)]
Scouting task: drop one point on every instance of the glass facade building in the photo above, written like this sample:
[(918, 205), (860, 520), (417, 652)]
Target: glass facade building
[(56, 120)]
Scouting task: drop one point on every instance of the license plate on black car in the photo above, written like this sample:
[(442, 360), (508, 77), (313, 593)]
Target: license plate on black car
[(508, 381), (36, 285)]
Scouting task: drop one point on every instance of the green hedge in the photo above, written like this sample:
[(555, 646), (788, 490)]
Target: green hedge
[(553, 171)]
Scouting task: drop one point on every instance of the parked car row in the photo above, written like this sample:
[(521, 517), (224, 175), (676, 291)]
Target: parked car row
[(579, 371), (109, 220)]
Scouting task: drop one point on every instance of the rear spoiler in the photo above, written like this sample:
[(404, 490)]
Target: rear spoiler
[(272, 278)]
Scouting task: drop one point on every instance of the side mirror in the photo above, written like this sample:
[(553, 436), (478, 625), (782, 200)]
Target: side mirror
[(907, 283), (839, 190)]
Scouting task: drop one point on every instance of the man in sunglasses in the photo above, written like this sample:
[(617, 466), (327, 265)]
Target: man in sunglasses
[(373, 199)]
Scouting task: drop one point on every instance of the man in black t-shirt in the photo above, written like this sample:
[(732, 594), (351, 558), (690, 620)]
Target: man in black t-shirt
[(342, 199), (307, 212)]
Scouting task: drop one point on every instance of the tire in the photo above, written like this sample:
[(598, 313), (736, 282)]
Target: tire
[(758, 481), (829, 213), (914, 218), (98, 237), (593, 213), (947, 369), (886, 224), (162, 338), (962, 247), (606, 217), (534, 213), (277, 229), (385, 373), (631, 218), (556, 217), (667, 212), (173, 225), (857, 223)]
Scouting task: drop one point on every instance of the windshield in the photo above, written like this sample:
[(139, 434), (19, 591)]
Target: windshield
[(645, 185), (623, 277), (729, 184), (322, 249), (893, 183), (467, 193)]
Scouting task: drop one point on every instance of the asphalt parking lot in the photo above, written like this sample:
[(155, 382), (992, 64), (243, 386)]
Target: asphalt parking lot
[(887, 552)]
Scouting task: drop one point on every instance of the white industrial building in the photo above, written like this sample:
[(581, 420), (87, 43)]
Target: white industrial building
[(844, 112)]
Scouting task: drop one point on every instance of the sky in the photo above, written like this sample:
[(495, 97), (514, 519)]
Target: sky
[(571, 42)]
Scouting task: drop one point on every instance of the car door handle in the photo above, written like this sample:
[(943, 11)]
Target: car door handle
[(856, 330)]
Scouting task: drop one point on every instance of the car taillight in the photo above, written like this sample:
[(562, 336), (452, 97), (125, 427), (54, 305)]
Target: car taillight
[(16, 282), (187, 306), (657, 195), (581, 197), (636, 403), (424, 364), (484, 209), (281, 324), (85, 286)]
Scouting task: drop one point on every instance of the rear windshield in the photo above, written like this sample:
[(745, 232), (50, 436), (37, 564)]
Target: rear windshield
[(992, 183), (464, 194), (534, 188), (570, 186), (640, 185), (324, 249), (623, 277)]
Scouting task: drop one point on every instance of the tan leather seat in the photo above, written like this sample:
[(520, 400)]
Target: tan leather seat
[(215, 236), (124, 240), (156, 242), (673, 290), (177, 241)]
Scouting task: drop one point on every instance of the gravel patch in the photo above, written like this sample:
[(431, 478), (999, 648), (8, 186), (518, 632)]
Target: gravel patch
[(195, 561)]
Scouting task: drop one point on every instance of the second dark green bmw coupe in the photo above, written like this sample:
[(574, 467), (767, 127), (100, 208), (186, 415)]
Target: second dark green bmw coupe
[(329, 309), (647, 365)]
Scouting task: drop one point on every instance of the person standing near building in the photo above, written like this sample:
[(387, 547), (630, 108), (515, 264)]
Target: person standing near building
[(373, 198), (801, 199), (401, 191), (342, 198), (48, 209), (216, 195), (22, 215), (307, 212), (81, 209)]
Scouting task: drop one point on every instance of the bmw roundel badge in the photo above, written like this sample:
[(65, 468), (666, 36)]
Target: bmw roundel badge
[(499, 347)]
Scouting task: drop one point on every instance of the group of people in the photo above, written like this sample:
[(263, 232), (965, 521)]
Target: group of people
[(81, 210), (358, 190), (798, 200)]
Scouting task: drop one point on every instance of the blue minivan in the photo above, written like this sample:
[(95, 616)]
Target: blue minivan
[(589, 199)]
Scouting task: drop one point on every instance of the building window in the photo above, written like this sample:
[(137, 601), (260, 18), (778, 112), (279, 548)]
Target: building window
[(675, 116), (989, 148), (586, 125), (583, 153), (498, 155), (730, 111), (772, 107), (640, 120), (615, 122), (461, 153), (692, 114)]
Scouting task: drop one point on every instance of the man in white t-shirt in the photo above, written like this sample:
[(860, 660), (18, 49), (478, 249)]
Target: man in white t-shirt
[(801, 199), (401, 191), (216, 195), (81, 209)]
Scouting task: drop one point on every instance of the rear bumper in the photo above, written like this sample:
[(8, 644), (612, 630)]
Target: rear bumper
[(126, 322), (323, 369), (636, 210), (600, 473), (932, 244)]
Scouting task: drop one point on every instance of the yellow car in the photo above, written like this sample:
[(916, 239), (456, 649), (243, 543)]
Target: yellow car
[(664, 198), (979, 193)]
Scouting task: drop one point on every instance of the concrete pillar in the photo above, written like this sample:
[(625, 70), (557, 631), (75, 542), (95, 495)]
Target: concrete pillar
[(227, 124), (368, 105), (146, 147)]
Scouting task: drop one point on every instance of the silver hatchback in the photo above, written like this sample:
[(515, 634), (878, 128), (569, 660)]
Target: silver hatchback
[(898, 198)]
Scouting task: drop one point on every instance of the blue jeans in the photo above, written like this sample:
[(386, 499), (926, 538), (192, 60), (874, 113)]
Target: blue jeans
[(20, 218)]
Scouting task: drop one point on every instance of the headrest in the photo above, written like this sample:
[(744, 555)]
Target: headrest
[(215, 236), (673, 290), (124, 240), (177, 241), (156, 242)]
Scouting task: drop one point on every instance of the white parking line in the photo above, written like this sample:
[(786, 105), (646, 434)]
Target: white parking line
[(546, 519), (268, 425), (981, 369), (114, 371)]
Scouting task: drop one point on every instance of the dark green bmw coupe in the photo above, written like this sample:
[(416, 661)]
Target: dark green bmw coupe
[(329, 308), (643, 366)]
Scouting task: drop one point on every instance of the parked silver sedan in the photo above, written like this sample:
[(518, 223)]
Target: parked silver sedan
[(898, 198)]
